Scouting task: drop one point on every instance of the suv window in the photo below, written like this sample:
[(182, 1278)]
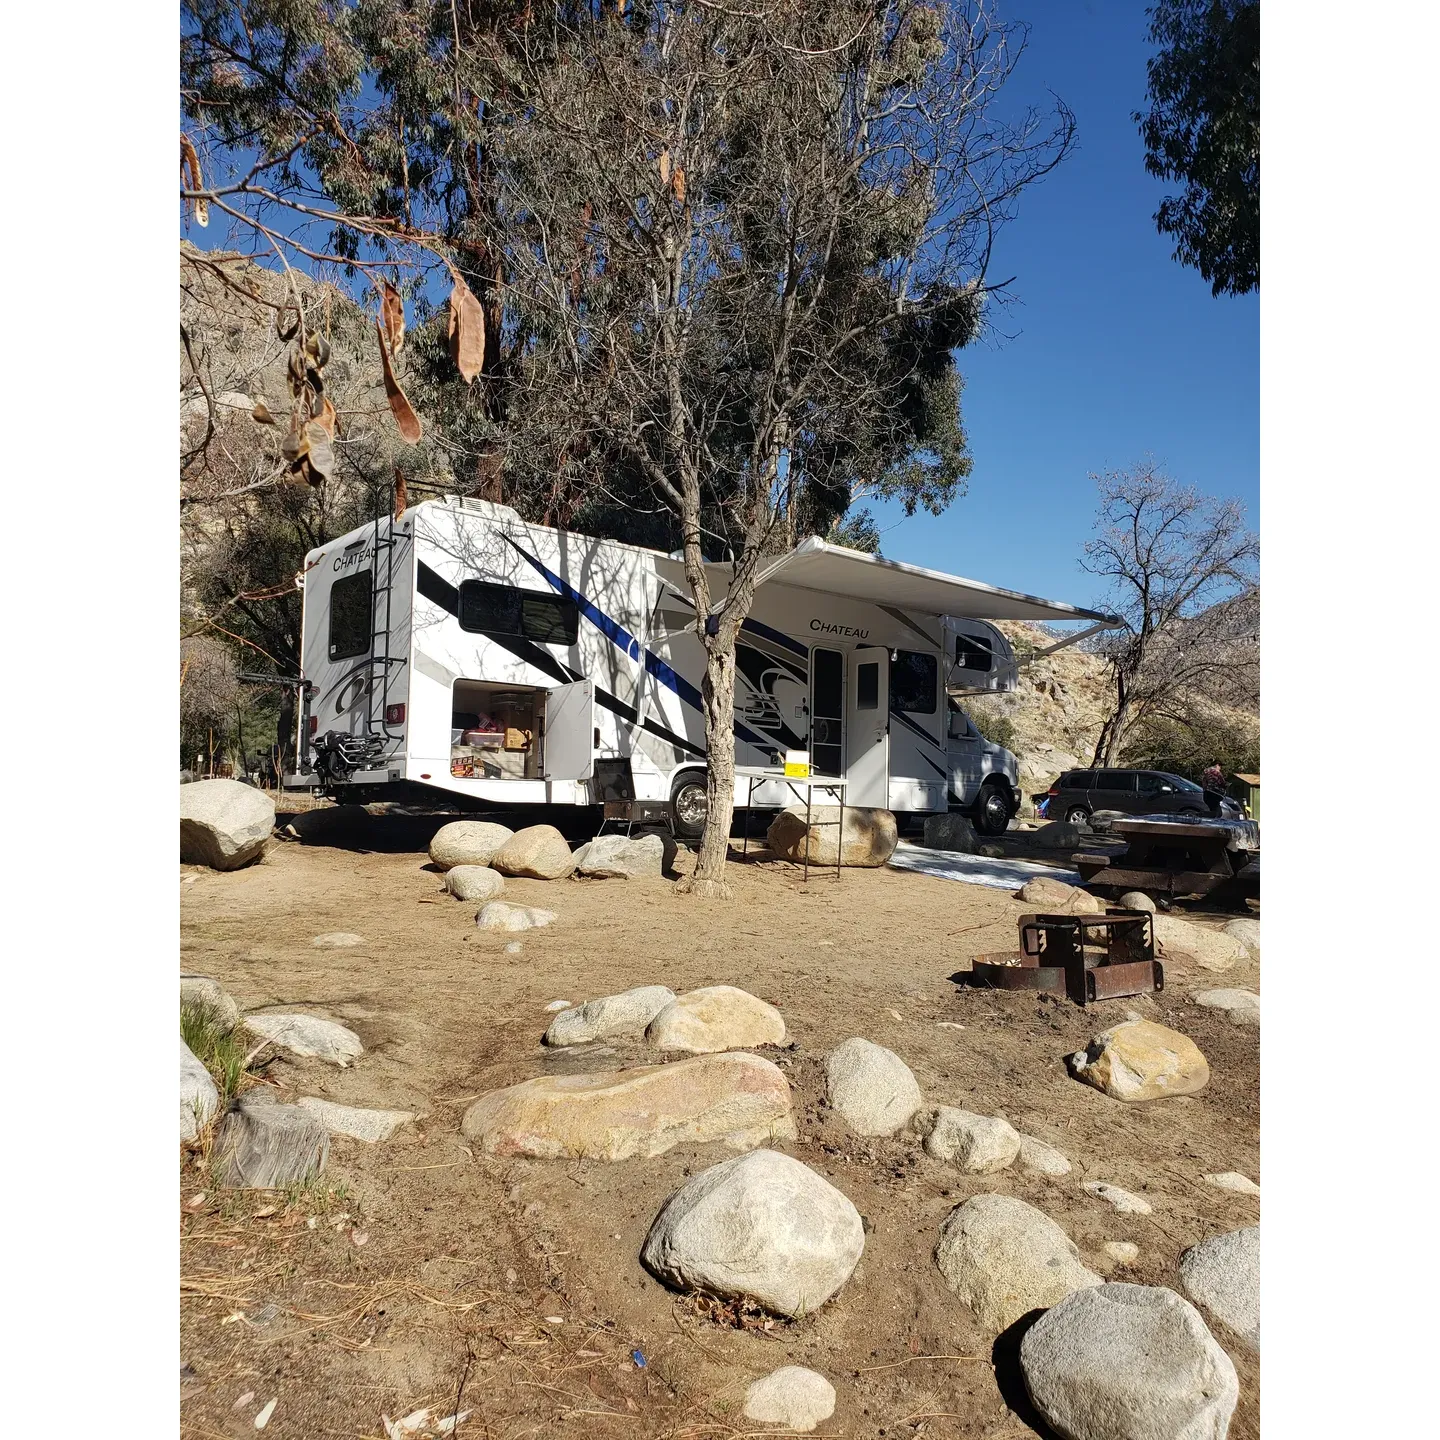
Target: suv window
[(1078, 780), (1150, 782), (914, 682), (1115, 780), (350, 616)]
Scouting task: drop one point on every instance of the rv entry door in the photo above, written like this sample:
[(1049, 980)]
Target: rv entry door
[(867, 733), (570, 731)]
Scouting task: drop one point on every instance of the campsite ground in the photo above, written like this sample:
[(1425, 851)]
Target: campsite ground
[(431, 1272)]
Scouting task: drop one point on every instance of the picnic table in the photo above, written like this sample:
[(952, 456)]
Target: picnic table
[(1178, 855)]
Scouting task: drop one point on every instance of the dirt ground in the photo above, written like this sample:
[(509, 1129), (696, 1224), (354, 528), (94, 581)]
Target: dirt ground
[(417, 1273)]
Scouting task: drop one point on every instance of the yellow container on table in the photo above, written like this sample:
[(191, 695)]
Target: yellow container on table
[(797, 764)]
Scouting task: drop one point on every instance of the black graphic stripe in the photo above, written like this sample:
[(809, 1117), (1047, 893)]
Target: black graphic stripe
[(909, 724), (439, 591)]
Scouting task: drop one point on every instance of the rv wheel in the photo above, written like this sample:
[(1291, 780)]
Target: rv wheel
[(992, 811), (689, 806)]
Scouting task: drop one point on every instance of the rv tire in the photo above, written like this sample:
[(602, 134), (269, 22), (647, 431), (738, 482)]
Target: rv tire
[(992, 810), (689, 805)]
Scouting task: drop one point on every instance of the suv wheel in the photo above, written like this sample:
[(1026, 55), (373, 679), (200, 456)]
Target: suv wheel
[(689, 806), (1078, 815), (992, 810)]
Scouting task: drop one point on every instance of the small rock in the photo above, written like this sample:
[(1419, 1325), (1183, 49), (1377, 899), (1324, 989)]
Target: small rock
[(991, 852), (224, 824), (617, 857), (1242, 1007), (1122, 1200), (1055, 896), (199, 1099), (263, 1418), (716, 1017), (625, 1014), (538, 851), (1137, 900), (514, 948), (1209, 949), (1140, 1060), (762, 1226), (371, 1126), (337, 940), (264, 1145), (977, 1144), (474, 882), (1223, 1274), (501, 915), (1122, 1252), (468, 842), (1128, 1362), (1004, 1258), (554, 1005), (1233, 1180), (871, 1087), (870, 835), (792, 1396), (950, 832), (203, 993), (308, 1036), (1041, 1159), (736, 1098), (1247, 932)]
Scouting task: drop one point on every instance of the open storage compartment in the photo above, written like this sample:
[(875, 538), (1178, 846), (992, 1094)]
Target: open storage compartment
[(496, 731)]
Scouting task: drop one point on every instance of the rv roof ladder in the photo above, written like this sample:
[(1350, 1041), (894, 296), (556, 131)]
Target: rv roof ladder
[(378, 690)]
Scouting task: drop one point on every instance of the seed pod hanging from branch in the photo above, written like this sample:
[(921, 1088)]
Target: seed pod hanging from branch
[(190, 178), (392, 313), (405, 418), (467, 331)]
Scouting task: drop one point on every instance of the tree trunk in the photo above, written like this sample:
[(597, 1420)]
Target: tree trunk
[(718, 695)]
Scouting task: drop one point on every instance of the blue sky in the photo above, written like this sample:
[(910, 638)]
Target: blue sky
[(1115, 350)]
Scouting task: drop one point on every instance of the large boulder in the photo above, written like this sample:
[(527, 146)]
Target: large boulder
[(1241, 1006), (1056, 897), (308, 1036), (1223, 1274), (612, 1015), (501, 915), (871, 1087), (716, 1017), (1140, 1060), (540, 852), (199, 1098), (1060, 835), (1004, 1258), (370, 1126), (869, 840), (474, 882), (224, 824), (792, 1396), (951, 832), (977, 1144), (200, 992), (1128, 1362), (618, 857), (1246, 931), (468, 842), (1209, 949), (762, 1227), (739, 1099), (264, 1145)]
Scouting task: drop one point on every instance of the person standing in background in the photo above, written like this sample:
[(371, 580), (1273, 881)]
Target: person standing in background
[(1212, 782)]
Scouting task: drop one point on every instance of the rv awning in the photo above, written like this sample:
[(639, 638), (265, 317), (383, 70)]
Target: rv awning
[(816, 565)]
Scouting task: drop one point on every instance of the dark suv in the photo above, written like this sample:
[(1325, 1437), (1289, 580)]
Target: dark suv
[(1078, 794)]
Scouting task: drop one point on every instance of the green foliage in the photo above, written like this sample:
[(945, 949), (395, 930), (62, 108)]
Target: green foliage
[(218, 1048), (997, 728), (857, 530), (1186, 746), (1203, 129)]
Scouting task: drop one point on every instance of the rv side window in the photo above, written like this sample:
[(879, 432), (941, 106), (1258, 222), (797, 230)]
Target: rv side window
[(971, 654), (350, 616), (914, 681), (504, 610)]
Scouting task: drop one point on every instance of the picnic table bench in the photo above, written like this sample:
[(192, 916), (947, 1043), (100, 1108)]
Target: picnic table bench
[(1177, 855)]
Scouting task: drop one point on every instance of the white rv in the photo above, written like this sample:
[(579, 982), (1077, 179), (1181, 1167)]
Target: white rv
[(462, 650)]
